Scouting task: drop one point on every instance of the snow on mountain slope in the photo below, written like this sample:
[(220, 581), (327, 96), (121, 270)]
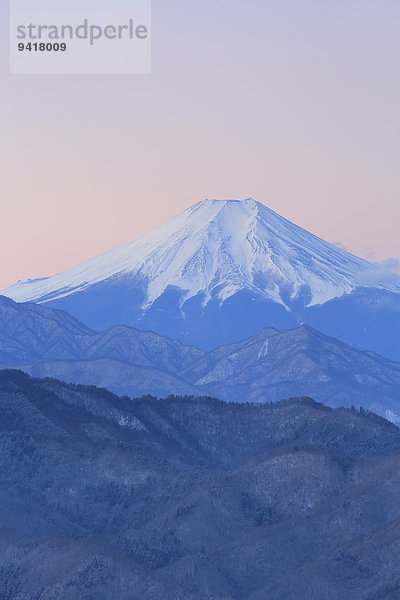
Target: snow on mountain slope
[(218, 248)]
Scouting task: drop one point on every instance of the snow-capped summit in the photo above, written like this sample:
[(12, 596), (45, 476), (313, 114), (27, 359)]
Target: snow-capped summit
[(227, 255), (217, 248)]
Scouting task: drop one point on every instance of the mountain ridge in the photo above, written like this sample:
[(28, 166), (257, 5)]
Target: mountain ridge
[(185, 248), (106, 497), (268, 366), (219, 272)]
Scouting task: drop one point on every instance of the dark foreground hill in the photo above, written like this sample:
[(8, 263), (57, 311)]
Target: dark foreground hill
[(107, 498)]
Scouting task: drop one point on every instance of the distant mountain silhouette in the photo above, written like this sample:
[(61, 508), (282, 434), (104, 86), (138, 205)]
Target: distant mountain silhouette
[(268, 366)]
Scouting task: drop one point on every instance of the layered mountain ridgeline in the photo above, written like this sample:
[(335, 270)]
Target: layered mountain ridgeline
[(104, 497), (268, 366), (222, 270), (273, 365), (126, 360)]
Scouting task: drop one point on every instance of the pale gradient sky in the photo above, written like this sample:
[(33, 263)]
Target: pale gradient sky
[(295, 103)]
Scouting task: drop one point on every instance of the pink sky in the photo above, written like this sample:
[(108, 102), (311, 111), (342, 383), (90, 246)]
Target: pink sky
[(294, 103)]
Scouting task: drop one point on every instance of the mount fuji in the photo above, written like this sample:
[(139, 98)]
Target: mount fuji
[(221, 270)]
